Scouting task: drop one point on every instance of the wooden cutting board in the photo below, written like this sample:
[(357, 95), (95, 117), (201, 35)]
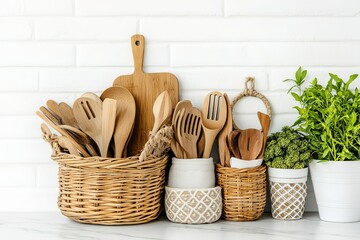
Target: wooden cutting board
[(145, 87)]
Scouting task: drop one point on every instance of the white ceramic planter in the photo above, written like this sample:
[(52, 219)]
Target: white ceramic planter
[(337, 190), (193, 206), (288, 192), (192, 173)]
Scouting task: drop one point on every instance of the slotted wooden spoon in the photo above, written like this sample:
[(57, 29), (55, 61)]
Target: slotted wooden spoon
[(88, 114), (214, 112), (125, 117), (250, 143)]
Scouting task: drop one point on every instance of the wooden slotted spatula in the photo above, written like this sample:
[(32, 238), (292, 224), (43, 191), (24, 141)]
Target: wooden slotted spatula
[(145, 87), (88, 114), (125, 116), (214, 112), (189, 130), (265, 125)]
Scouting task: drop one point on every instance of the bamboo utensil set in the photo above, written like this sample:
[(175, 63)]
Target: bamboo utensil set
[(100, 126), (195, 130)]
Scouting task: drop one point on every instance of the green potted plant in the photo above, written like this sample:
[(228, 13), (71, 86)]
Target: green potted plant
[(330, 117), (287, 154)]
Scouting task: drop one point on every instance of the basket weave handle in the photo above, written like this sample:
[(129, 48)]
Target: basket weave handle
[(250, 91)]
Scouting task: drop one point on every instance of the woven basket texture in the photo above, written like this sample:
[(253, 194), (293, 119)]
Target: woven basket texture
[(193, 206), (287, 200), (243, 192), (109, 191)]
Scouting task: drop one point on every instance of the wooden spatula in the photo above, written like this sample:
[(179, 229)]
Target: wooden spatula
[(224, 151), (108, 124), (214, 113), (265, 125), (250, 143), (125, 116), (145, 87), (88, 114), (54, 108)]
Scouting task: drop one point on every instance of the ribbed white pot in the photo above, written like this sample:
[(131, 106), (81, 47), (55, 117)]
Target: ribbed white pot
[(288, 192), (337, 190), (194, 173)]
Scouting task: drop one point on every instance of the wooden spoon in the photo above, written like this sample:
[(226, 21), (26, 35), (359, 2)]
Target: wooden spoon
[(50, 115), (88, 114), (265, 125), (233, 140), (224, 151), (162, 110), (214, 113), (67, 115), (250, 143), (125, 117), (201, 143)]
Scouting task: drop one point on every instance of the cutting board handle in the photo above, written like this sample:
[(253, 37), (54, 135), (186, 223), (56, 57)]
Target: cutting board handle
[(138, 46)]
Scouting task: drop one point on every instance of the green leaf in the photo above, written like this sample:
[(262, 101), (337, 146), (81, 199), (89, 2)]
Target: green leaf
[(296, 96), (298, 74)]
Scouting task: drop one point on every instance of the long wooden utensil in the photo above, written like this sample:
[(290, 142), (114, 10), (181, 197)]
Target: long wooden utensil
[(54, 108), (145, 87), (125, 116), (67, 115), (65, 143), (265, 125), (108, 124), (224, 151), (162, 110), (64, 133), (189, 130), (179, 106), (214, 113), (233, 141), (88, 114)]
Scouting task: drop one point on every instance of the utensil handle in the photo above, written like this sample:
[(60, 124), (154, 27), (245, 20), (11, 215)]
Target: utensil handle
[(138, 48), (209, 142)]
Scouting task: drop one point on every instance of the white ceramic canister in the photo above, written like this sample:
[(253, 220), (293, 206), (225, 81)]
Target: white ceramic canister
[(192, 173)]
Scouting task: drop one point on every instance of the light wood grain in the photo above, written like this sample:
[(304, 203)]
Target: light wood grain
[(162, 111), (125, 116), (145, 87), (224, 152), (214, 114), (107, 125), (265, 125)]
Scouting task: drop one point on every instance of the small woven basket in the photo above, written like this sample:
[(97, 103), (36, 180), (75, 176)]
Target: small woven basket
[(110, 191), (243, 192), (287, 200)]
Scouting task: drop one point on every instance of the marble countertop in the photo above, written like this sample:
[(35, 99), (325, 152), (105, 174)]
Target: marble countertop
[(53, 226)]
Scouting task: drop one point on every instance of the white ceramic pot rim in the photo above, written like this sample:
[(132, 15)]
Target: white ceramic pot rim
[(192, 160), (281, 175), (240, 163)]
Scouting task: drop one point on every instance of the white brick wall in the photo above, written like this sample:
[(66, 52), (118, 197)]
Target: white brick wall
[(60, 48)]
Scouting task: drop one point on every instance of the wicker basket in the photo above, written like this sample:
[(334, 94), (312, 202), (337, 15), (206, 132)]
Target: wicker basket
[(243, 192), (109, 191)]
